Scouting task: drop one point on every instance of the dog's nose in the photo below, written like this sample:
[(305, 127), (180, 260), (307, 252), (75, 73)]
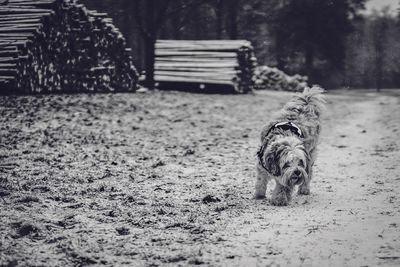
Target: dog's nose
[(297, 172)]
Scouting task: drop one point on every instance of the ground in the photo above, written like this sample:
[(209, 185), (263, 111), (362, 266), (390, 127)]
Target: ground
[(166, 179)]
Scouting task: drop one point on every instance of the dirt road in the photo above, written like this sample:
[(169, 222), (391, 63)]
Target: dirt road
[(164, 179)]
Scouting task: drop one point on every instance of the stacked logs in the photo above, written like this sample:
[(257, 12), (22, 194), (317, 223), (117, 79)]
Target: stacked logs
[(274, 79), (60, 46), (212, 65)]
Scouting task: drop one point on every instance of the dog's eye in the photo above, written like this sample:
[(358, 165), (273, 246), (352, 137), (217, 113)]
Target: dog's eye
[(301, 163), (286, 166)]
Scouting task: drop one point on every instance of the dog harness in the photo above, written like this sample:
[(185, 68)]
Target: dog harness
[(286, 126)]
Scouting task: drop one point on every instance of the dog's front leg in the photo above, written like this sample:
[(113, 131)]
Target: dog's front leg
[(281, 195), (261, 183), (304, 189)]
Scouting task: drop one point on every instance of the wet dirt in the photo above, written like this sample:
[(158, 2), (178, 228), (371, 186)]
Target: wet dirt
[(166, 179)]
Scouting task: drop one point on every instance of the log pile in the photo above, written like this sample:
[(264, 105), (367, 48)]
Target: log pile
[(60, 46), (211, 65), (274, 79)]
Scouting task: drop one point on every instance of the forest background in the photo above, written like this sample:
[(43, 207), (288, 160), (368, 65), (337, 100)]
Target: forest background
[(335, 43)]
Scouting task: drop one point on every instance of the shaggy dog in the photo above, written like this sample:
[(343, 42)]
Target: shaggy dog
[(288, 147)]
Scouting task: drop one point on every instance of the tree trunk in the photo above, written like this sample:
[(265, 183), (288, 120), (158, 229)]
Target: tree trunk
[(279, 52), (378, 64), (149, 41), (219, 18), (198, 32), (380, 36), (149, 61), (177, 21), (150, 15), (127, 20), (232, 19), (309, 61)]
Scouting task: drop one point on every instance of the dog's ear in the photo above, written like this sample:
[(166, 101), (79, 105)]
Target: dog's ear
[(272, 157), (267, 129)]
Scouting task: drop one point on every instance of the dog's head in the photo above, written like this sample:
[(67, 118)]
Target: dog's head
[(287, 158)]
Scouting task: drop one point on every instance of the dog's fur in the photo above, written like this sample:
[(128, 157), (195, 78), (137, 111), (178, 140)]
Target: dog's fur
[(288, 158)]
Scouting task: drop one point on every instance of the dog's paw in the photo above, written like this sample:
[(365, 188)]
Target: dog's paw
[(304, 190), (280, 201), (257, 196)]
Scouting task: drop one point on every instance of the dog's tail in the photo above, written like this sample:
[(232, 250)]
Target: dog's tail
[(314, 99)]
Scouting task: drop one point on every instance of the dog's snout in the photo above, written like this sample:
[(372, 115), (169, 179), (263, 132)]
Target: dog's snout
[(297, 172)]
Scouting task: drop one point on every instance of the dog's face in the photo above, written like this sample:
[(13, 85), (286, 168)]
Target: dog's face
[(286, 157)]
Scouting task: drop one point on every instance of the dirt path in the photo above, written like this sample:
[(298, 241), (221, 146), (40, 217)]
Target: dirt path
[(352, 217), (167, 179)]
